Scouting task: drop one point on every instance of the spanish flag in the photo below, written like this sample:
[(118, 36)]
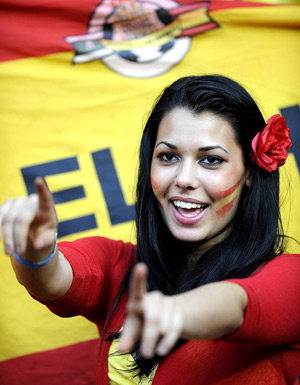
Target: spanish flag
[(78, 79)]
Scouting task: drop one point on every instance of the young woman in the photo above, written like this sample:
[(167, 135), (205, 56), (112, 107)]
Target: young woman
[(206, 296)]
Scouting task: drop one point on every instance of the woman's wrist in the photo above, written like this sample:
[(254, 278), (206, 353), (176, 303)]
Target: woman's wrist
[(34, 265)]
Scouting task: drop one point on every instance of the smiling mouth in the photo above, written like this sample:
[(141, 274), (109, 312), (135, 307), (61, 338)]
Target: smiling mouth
[(188, 209)]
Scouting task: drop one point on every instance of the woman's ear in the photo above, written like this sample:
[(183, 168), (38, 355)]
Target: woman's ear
[(248, 178)]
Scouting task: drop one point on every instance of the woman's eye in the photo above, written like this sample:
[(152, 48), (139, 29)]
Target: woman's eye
[(211, 160), (167, 157)]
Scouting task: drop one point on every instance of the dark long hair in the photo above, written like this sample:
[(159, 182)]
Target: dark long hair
[(256, 234)]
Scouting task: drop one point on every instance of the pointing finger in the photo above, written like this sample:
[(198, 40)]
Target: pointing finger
[(137, 288), (45, 197), (133, 324)]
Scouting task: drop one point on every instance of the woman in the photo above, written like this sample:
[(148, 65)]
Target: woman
[(206, 296)]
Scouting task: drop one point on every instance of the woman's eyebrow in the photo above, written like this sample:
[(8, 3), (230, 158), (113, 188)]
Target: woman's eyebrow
[(200, 149), (209, 148), (167, 144)]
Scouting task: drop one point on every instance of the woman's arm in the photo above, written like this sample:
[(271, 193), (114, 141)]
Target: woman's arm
[(213, 310), (209, 312), (29, 229)]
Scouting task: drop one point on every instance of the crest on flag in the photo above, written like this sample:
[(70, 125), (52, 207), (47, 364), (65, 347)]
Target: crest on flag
[(142, 38)]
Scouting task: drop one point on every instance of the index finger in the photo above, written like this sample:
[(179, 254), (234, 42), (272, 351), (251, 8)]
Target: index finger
[(137, 284), (45, 197)]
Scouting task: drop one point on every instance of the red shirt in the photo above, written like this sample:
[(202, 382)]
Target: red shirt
[(265, 350)]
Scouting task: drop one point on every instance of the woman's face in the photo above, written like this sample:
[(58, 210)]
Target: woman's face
[(197, 175)]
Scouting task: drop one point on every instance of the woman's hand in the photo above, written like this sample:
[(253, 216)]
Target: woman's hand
[(152, 317), (29, 224), (211, 311), (29, 229)]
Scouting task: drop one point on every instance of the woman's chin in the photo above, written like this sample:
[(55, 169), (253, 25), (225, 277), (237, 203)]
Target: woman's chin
[(188, 236)]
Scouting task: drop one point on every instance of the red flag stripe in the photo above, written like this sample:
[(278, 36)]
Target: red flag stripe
[(38, 28), (69, 365)]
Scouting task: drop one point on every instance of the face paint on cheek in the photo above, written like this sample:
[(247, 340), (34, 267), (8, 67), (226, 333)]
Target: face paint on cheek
[(227, 207), (231, 190), (155, 187), (228, 198)]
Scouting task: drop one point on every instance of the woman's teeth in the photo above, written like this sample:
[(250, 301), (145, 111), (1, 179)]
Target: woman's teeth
[(188, 205)]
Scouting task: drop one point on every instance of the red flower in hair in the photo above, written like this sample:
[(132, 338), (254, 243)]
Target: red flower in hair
[(270, 146)]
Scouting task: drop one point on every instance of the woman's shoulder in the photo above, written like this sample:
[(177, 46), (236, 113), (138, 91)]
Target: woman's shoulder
[(98, 251), (95, 243), (283, 262), (283, 259), (288, 255)]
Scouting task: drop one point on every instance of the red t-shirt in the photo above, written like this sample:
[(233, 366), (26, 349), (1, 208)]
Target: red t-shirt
[(265, 350)]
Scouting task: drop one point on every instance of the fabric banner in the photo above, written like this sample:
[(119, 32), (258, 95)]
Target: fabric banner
[(77, 82)]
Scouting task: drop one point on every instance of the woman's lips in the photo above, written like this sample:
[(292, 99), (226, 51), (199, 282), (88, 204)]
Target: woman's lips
[(188, 216)]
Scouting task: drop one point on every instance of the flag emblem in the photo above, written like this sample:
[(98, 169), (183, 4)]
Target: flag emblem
[(143, 38)]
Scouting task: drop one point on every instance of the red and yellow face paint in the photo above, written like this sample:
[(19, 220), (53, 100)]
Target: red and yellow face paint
[(155, 187), (228, 197)]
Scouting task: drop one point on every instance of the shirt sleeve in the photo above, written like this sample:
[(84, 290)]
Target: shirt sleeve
[(99, 265), (272, 316)]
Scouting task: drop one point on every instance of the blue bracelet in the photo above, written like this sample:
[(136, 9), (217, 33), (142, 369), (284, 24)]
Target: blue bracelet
[(37, 264)]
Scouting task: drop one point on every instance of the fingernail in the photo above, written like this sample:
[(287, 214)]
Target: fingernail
[(7, 249), (18, 250)]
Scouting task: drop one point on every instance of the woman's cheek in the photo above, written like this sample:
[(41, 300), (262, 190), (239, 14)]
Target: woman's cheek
[(154, 185), (226, 198), (155, 189), (226, 208)]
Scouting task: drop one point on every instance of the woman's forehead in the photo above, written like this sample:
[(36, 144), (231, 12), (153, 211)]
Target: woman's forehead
[(182, 125)]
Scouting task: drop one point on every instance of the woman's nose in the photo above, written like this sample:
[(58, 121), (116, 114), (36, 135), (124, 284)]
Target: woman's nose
[(187, 177)]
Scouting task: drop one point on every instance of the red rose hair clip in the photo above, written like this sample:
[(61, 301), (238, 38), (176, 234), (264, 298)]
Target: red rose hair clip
[(270, 146)]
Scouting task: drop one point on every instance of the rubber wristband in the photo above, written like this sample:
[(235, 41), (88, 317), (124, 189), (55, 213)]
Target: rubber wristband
[(37, 264)]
